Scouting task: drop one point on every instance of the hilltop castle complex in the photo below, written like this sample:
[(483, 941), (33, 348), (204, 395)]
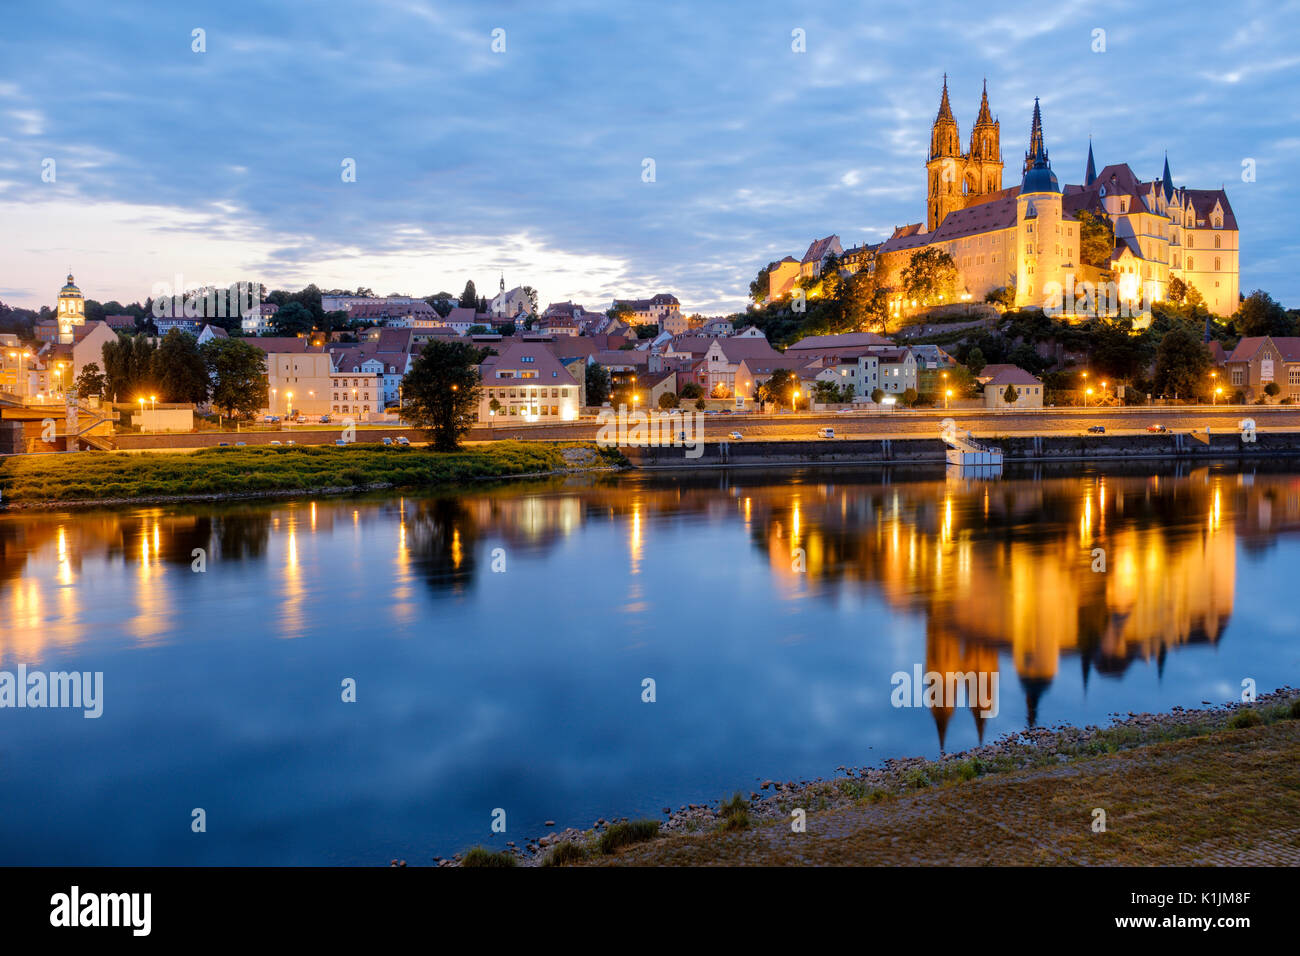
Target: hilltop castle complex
[(1026, 237)]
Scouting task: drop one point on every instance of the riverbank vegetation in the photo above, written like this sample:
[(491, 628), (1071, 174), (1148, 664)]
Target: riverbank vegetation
[(250, 471)]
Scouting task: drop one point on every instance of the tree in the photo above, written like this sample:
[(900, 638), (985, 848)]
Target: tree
[(758, 288), (720, 390), (691, 390), (621, 311), (1182, 364), (865, 304), (597, 384), (975, 360), (293, 319), (1272, 389), (909, 397), (701, 404), (531, 295), (128, 368), (1194, 298), (1010, 396), (931, 276), (475, 329), (877, 394), (237, 371), (1177, 290), (1001, 296), (91, 381), (179, 370), (1259, 314), (779, 388), (669, 400), (469, 298), (1096, 238), (441, 391)]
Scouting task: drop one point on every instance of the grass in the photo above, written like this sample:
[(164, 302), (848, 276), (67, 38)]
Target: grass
[(248, 471), (481, 856), (564, 853), (1219, 787), (625, 834), (735, 814)]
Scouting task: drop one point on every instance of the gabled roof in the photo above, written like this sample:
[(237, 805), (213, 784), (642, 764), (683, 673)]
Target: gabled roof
[(820, 249), (1203, 202), (845, 340), (279, 343), (1287, 345), (1012, 375)]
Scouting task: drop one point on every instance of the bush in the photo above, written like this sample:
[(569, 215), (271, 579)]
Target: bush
[(735, 813), (625, 834), (481, 856), (1247, 717), (1295, 709), (564, 853), (669, 400)]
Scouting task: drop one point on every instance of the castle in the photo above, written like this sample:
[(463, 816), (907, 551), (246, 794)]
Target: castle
[(1026, 237)]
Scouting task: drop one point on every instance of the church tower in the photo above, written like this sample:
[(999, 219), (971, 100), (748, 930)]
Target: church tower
[(1044, 250), (945, 167), (984, 166), (72, 310)]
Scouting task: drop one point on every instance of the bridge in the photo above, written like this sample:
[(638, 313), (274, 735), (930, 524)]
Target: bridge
[(25, 426)]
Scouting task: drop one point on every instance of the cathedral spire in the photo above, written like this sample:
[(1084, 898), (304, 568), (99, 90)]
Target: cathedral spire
[(986, 115), (945, 109), (1036, 158), (1091, 173), (1168, 181)]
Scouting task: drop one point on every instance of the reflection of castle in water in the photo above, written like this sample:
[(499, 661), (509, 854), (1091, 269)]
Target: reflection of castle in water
[(1019, 565), (992, 566)]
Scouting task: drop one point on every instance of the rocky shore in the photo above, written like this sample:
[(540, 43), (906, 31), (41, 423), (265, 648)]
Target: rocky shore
[(1036, 751)]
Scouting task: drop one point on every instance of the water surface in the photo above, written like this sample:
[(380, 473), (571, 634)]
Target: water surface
[(499, 640)]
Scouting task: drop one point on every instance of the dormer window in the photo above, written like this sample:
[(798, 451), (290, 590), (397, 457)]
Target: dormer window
[(1123, 204)]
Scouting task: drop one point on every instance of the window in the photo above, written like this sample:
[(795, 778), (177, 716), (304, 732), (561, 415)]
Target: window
[(1189, 263), (1190, 240), (1238, 377), (1218, 241), (1123, 204), (1216, 263)]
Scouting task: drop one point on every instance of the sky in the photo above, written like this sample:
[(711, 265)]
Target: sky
[(529, 161)]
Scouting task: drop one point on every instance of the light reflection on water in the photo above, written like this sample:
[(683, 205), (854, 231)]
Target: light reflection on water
[(499, 640)]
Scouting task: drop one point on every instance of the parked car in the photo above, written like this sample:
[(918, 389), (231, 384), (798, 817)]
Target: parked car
[(301, 419), (402, 440), (825, 433), (275, 443), (1157, 428), (269, 419), (240, 444), (388, 441), (291, 442), (223, 444), (1097, 429), (340, 442), (324, 419), (846, 411), (735, 436)]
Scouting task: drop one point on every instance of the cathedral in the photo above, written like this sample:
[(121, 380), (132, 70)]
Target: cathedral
[(1025, 238)]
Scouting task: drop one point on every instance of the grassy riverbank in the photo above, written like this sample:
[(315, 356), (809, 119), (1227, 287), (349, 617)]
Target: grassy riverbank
[(33, 481), (1205, 787)]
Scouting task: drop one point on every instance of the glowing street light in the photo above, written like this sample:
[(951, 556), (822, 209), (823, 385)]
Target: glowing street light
[(946, 395), (1217, 392), (794, 407), (1086, 393)]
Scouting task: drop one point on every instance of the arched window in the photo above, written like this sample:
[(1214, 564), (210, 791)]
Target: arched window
[(1189, 264), (1216, 242), (1216, 263), (1190, 240)]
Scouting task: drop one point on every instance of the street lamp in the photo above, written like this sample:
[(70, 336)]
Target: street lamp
[(1086, 393), (1217, 392), (794, 406), (946, 395), (288, 401)]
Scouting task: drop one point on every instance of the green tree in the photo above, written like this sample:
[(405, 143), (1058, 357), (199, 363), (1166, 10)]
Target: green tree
[(758, 288), (128, 368), (930, 277), (877, 394), (1001, 296), (476, 329), (1182, 364), (691, 390), (441, 391), (779, 388), (91, 381), (1177, 290), (469, 298), (179, 370), (597, 384), (293, 318), (1259, 314), (909, 397), (237, 372), (669, 400), (1096, 238), (864, 304), (1272, 389), (975, 360), (1010, 396)]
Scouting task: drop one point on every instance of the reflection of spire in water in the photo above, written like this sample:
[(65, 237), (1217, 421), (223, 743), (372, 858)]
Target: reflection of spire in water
[(1034, 688)]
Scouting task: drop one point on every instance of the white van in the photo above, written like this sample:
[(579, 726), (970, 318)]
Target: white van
[(825, 433)]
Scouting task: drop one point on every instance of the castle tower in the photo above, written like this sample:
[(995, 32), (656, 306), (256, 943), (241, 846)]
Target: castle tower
[(72, 310), (1043, 247), (945, 168), (984, 165)]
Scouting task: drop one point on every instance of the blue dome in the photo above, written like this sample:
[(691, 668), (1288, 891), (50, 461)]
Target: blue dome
[(1040, 179)]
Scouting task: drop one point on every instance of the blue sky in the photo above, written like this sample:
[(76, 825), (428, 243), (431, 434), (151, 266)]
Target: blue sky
[(226, 164)]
